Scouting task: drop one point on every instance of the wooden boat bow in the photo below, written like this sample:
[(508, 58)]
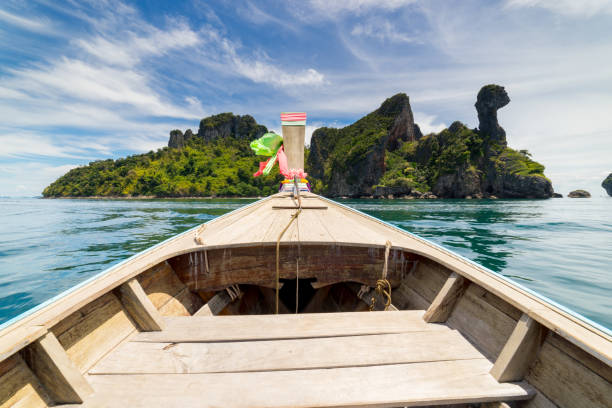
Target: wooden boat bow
[(199, 306)]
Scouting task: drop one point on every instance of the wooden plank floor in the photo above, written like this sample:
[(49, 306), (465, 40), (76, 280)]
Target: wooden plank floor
[(369, 359)]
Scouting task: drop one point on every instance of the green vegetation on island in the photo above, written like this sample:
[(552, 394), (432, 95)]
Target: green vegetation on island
[(221, 166)]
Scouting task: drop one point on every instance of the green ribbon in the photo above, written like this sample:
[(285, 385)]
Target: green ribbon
[(267, 145)]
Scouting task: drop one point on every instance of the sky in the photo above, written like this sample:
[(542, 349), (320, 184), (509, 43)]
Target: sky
[(85, 80)]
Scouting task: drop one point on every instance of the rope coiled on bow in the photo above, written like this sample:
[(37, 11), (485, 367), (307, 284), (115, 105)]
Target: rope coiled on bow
[(383, 286)]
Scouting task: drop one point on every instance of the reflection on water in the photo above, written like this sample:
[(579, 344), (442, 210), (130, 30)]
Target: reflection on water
[(560, 248)]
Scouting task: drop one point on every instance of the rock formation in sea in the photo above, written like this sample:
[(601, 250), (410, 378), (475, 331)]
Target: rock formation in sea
[(384, 153), (607, 184), (557, 195), (490, 99), (579, 194)]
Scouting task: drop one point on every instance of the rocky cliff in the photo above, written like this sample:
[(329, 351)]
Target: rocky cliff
[(351, 161), (607, 184), (385, 153)]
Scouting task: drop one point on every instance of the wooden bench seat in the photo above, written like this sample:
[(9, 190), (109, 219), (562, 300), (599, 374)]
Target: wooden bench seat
[(311, 360)]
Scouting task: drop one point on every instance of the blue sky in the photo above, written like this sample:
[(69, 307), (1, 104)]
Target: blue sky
[(85, 80)]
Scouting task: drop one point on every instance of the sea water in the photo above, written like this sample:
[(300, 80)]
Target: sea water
[(560, 248)]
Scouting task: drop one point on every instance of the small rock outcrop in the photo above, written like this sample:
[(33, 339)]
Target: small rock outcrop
[(178, 140), (226, 124), (219, 126), (607, 184), (489, 100), (579, 194), (557, 195)]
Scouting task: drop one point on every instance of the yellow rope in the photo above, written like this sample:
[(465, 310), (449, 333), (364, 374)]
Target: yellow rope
[(383, 286), (280, 236), (297, 266)]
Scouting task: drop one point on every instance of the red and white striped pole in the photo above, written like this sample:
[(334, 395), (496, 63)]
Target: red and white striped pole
[(294, 134)]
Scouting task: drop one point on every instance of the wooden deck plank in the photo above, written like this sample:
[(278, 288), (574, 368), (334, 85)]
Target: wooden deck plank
[(249, 229), (329, 352), (279, 220), (312, 229), (445, 382), (211, 234), (260, 327), (343, 228)]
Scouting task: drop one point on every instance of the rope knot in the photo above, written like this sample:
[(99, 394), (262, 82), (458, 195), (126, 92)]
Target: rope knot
[(383, 286)]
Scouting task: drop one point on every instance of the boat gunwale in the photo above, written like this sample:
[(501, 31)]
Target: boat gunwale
[(468, 269)]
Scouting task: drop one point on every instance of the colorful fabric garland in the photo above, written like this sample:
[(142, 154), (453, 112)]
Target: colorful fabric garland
[(270, 144)]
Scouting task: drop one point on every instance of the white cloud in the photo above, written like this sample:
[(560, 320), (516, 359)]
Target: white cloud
[(29, 24), (130, 48), (79, 80), (19, 144), (428, 123), (29, 178), (254, 14), (381, 30), (261, 72), (575, 8), (357, 6), (223, 56)]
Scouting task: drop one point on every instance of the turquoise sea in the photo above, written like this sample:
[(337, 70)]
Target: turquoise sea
[(561, 248)]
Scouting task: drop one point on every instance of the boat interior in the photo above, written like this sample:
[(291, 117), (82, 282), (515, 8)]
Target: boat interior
[(334, 309)]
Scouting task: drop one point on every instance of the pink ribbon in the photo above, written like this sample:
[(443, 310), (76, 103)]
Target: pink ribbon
[(282, 166)]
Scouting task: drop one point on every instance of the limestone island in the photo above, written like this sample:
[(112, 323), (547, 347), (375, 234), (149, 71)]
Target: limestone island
[(607, 184), (579, 194), (383, 154)]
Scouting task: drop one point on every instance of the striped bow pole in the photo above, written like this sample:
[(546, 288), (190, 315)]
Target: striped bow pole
[(294, 134)]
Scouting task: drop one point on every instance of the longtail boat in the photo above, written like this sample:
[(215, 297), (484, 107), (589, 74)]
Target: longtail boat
[(298, 301)]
